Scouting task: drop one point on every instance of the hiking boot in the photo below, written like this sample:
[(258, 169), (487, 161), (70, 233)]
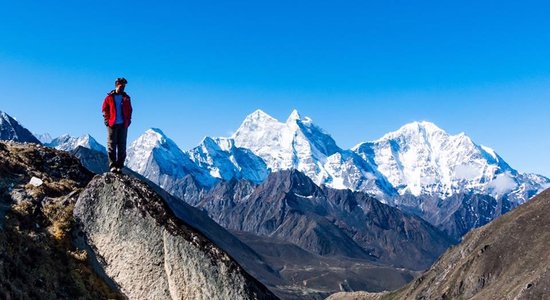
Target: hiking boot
[(119, 170), (113, 170)]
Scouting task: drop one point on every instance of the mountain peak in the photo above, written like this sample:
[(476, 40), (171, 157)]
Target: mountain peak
[(153, 136), (45, 138), (424, 159), (155, 131), (259, 115), (294, 116), (4, 115), (10, 129), (210, 143), (421, 126), (155, 156), (417, 130)]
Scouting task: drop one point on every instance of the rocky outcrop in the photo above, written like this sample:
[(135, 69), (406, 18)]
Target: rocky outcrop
[(124, 227), (506, 259), (38, 259), (152, 254)]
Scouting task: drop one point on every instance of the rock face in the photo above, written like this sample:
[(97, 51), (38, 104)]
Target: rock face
[(328, 222), (152, 254), (11, 130), (506, 259)]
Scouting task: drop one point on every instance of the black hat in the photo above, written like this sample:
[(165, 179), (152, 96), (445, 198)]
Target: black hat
[(121, 80)]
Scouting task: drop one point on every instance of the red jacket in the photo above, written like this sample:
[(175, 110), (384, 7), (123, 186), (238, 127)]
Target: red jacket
[(109, 109)]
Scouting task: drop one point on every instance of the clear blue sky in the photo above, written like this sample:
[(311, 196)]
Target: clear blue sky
[(358, 68)]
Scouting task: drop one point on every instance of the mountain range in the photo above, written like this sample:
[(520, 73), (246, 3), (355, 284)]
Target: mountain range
[(304, 206), (419, 159), (419, 168), (289, 206)]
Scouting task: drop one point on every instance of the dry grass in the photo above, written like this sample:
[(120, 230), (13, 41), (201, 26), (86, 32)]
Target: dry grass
[(38, 259), (60, 216)]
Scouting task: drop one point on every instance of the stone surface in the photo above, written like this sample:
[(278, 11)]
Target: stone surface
[(150, 253)]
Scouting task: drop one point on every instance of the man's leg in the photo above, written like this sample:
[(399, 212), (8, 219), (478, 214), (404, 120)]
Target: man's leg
[(122, 135), (111, 146)]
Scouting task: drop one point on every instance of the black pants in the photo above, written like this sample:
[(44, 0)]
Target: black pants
[(116, 145)]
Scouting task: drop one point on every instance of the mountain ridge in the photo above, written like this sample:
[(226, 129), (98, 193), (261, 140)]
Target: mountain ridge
[(289, 206), (501, 260), (419, 168)]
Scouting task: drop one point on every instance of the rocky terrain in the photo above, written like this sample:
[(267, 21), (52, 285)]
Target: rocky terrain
[(123, 241), (152, 254), (506, 259), (38, 258)]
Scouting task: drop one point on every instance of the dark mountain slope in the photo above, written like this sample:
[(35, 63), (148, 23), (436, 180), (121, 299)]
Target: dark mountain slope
[(11, 130), (328, 222), (506, 259)]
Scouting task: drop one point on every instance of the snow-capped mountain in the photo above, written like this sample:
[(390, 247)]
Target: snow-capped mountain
[(69, 143), (11, 130), (449, 180), (91, 154), (301, 145), (222, 159), (422, 159), (44, 138), (159, 159)]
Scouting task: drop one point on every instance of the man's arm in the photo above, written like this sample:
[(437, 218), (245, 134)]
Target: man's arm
[(131, 110), (106, 111)]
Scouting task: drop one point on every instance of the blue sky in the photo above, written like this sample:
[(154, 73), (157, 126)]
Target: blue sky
[(358, 68)]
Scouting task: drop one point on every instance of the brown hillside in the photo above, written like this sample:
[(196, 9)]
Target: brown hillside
[(506, 259)]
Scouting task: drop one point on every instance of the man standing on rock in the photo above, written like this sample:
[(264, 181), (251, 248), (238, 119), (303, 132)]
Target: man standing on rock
[(117, 114)]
